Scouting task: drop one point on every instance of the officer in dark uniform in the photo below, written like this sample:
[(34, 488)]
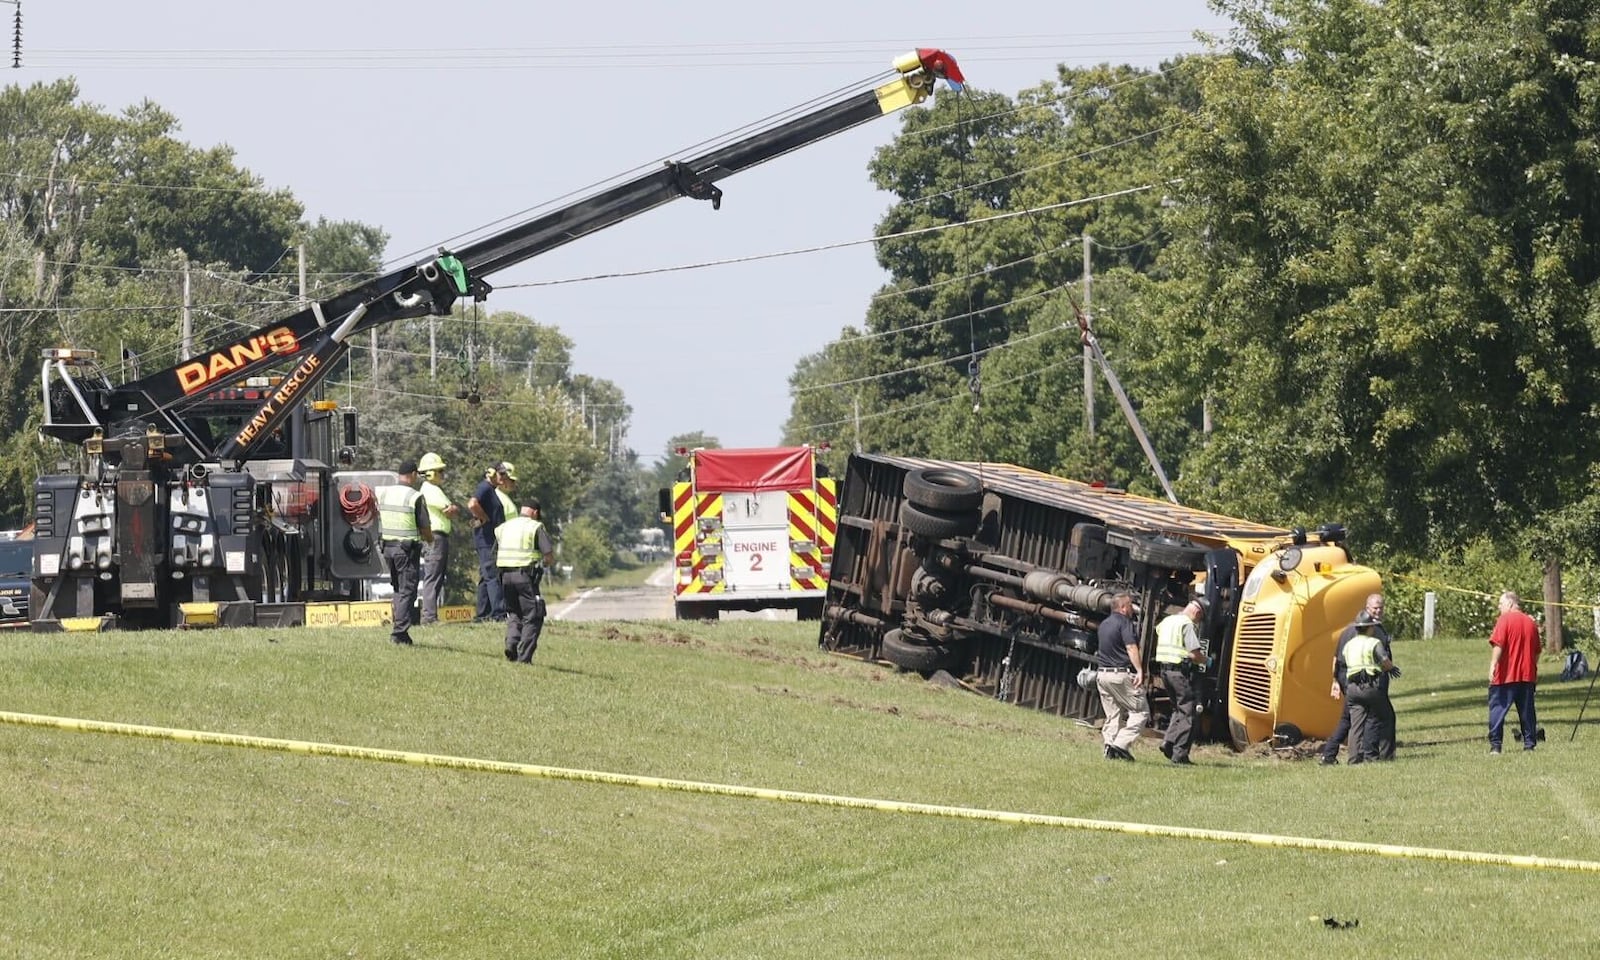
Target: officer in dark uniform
[(1181, 656), (1386, 739), (403, 515), (1365, 657), (522, 551)]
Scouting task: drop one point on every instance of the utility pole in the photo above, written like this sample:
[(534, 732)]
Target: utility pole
[(433, 348), (188, 320), (304, 296), (16, 34), (855, 404), (1088, 356)]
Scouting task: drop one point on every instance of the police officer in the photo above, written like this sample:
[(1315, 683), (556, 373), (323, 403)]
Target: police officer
[(1386, 739), (1182, 658), (436, 557), (1365, 657), (522, 551), (404, 519)]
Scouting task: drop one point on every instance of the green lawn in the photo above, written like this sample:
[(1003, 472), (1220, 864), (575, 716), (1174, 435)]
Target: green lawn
[(124, 847)]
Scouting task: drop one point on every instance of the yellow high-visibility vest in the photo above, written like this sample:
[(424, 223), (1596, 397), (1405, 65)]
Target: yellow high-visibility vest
[(397, 510), (517, 543), (507, 506), (1361, 655), (1170, 636), (437, 502)]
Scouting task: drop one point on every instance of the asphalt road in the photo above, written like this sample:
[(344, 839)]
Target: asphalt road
[(653, 601)]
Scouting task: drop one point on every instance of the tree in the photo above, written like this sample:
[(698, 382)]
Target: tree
[(615, 502), (1390, 260)]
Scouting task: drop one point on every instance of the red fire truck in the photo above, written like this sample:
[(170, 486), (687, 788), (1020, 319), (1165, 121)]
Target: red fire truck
[(753, 529)]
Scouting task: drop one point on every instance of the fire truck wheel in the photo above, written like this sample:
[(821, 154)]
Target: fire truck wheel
[(695, 611), (937, 524), (1168, 552), (941, 488), (911, 656)]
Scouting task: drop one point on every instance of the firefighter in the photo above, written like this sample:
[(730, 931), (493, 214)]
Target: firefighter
[(1182, 657), (522, 551), (1365, 657), (404, 519), (441, 517)]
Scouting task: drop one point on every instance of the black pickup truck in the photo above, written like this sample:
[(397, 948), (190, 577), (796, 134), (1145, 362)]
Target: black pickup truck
[(16, 563)]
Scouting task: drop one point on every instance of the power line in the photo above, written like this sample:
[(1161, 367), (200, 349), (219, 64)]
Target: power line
[(904, 234), (902, 409), (966, 315), (932, 364), (968, 187)]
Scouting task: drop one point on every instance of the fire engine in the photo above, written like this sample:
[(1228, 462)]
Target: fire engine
[(752, 529), (199, 487)]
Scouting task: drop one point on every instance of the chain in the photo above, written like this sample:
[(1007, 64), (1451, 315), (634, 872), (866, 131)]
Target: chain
[(1003, 694)]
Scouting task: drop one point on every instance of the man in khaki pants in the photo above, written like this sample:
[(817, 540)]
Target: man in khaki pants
[(1121, 678)]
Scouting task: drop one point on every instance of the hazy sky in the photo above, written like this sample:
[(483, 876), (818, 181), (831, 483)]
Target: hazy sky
[(433, 119)]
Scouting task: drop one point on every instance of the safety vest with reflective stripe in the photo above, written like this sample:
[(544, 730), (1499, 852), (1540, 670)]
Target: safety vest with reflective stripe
[(437, 501), (1361, 655), (397, 507), (1171, 645), (517, 542)]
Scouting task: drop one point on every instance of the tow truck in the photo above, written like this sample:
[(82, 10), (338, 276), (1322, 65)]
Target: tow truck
[(203, 485)]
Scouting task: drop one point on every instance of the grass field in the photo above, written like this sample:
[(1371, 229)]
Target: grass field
[(125, 847)]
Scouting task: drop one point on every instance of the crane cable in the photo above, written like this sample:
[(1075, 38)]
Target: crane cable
[(974, 377)]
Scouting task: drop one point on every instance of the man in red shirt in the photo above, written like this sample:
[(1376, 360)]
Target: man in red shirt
[(1513, 671)]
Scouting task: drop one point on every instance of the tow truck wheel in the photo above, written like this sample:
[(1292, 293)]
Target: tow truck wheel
[(941, 488), (910, 656), (1168, 552), (937, 524)]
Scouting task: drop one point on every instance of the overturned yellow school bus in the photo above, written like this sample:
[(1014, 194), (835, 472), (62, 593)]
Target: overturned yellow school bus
[(1000, 575)]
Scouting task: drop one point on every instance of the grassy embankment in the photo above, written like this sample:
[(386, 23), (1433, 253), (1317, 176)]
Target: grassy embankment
[(123, 847)]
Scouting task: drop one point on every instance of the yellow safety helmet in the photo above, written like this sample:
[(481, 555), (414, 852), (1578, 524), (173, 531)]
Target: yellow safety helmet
[(430, 462)]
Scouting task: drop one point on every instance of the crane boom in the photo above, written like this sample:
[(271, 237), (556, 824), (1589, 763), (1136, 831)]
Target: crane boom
[(317, 333)]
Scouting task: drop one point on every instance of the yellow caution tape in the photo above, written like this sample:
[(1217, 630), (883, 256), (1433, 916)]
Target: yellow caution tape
[(1440, 586), (1492, 597), (794, 796)]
